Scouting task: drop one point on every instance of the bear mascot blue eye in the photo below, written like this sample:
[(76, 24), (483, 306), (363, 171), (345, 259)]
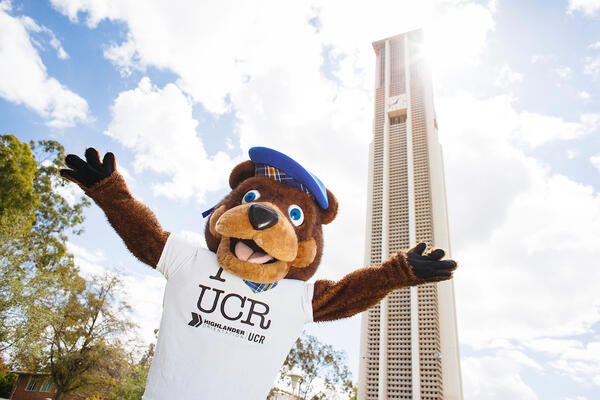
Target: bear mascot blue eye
[(251, 196), (296, 215)]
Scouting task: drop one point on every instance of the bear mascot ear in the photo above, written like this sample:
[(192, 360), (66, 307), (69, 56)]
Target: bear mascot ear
[(329, 215), (240, 173)]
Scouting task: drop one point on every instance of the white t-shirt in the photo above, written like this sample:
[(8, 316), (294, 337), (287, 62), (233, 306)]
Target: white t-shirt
[(218, 339)]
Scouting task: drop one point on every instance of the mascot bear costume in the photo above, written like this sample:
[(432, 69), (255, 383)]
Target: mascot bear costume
[(232, 313)]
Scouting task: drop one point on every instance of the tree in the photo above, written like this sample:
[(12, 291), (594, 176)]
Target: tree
[(82, 340), (35, 219), (324, 373), (51, 319), (81, 345), (134, 383), (17, 215)]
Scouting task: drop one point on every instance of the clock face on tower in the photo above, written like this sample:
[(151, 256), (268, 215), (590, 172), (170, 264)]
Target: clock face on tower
[(396, 105), (397, 101)]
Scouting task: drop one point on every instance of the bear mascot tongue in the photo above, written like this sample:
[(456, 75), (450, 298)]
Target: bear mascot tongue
[(248, 251), (248, 294)]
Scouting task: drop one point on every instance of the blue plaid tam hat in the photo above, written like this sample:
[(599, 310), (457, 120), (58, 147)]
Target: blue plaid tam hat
[(275, 165), (279, 175), (278, 166)]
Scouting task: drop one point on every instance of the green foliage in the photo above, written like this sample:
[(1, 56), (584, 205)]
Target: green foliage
[(17, 173), (35, 267), (82, 339), (323, 369), (51, 319), (134, 382), (7, 380)]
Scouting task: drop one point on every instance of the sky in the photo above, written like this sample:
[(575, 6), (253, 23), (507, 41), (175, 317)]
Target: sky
[(179, 90)]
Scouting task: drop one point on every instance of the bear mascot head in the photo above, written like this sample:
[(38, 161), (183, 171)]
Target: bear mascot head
[(269, 227)]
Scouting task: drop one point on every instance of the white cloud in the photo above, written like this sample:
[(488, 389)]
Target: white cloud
[(142, 292), (588, 7), (210, 58), (472, 130), (517, 127), (157, 123), (581, 372), (540, 57), (538, 129), (506, 77), (553, 347), (128, 176), (595, 45), (595, 160), (572, 154), (125, 57), (523, 236), (456, 31), (540, 249), (497, 377), (33, 26), (583, 95), (563, 71), (573, 358), (569, 349), (592, 67), (23, 76), (213, 61), (95, 11), (71, 193), (460, 35), (87, 260)]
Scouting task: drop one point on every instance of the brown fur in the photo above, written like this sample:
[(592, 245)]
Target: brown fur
[(135, 223), (360, 289), (307, 251), (240, 173), (299, 248)]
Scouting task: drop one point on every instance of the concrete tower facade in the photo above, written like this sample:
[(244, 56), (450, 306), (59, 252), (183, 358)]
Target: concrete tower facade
[(409, 346)]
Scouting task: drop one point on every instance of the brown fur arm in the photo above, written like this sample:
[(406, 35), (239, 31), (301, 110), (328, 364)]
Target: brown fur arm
[(360, 289), (135, 223)]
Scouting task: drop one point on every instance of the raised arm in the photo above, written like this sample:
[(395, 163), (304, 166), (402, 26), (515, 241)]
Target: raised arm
[(365, 287), (135, 223)]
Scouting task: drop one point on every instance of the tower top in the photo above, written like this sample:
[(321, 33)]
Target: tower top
[(418, 33)]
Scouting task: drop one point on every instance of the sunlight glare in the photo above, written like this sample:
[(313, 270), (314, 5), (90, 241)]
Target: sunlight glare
[(456, 39)]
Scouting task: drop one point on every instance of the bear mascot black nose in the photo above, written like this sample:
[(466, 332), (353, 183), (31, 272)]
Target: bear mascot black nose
[(262, 217)]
